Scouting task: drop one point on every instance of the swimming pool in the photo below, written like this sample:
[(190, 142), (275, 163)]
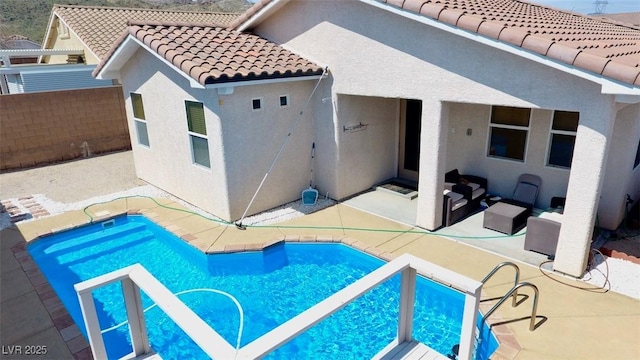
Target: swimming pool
[(272, 286)]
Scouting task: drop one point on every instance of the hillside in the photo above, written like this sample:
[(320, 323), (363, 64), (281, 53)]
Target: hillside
[(29, 18)]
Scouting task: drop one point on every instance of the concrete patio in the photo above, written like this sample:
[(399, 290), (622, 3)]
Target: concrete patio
[(575, 320)]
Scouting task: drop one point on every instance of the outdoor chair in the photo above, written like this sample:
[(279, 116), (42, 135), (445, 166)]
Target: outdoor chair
[(526, 191)]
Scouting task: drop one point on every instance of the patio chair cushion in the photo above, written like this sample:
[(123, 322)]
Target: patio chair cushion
[(473, 186), (525, 193), (455, 197), (477, 193)]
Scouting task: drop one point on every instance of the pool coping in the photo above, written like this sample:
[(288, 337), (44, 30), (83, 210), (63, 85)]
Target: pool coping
[(508, 345)]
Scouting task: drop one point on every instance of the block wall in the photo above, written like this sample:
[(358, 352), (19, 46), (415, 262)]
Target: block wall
[(47, 127)]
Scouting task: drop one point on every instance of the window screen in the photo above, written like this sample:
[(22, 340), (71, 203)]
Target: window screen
[(195, 117)]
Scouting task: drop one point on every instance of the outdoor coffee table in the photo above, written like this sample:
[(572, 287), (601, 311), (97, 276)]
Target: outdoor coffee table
[(505, 218)]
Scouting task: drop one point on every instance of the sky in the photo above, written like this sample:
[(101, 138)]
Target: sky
[(588, 6)]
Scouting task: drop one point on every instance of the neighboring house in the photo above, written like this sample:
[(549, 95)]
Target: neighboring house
[(94, 29), (77, 38), (20, 43), (495, 89)]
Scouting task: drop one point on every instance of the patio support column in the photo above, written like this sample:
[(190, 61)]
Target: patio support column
[(585, 184), (433, 149)]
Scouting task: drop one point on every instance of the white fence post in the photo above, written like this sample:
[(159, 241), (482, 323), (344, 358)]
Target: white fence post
[(407, 299), (135, 316), (469, 319), (91, 323)]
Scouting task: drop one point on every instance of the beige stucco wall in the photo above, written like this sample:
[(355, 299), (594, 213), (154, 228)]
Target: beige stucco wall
[(620, 176), (368, 155), (242, 142), (252, 139), (167, 163), (71, 42)]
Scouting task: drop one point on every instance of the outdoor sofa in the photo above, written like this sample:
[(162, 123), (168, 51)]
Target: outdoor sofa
[(462, 195)]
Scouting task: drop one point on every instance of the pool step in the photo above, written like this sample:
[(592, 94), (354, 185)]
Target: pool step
[(99, 235), (104, 246)]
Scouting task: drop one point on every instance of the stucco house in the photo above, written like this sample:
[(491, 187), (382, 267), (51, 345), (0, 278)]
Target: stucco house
[(494, 89)]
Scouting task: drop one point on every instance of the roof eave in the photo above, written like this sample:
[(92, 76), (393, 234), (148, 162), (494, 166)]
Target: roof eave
[(262, 81), (608, 85), (45, 41), (257, 13), (124, 50), (111, 67)]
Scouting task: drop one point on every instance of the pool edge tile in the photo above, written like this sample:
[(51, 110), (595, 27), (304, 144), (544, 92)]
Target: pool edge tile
[(55, 309)]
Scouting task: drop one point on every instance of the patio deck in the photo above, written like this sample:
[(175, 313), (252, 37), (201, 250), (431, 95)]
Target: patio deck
[(575, 320)]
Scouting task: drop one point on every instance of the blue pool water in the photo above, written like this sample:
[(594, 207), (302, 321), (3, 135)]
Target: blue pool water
[(272, 286)]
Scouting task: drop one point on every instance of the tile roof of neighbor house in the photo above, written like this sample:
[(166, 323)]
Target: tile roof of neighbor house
[(213, 55), (607, 48), (632, 18), (99, 27), (18, 44)]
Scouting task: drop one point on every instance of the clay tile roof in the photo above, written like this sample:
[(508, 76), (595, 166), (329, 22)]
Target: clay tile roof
[(100, 27), (214, 55), (605, 47)]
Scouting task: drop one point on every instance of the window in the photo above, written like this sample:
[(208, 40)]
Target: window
[(197, 133), (256, 104), (284, 100), (139, 119), (563, 138), (508, 132)]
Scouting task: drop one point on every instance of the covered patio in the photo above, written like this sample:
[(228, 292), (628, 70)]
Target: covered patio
[(469, 231)]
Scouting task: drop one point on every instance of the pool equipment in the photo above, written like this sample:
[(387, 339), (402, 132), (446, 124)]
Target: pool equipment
[(310, 195), (284, 143)]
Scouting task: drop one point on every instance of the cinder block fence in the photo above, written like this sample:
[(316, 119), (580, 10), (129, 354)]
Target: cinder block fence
[(42, 128)]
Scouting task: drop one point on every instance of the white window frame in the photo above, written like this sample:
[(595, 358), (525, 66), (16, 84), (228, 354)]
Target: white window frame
[(261, 100), (140, 120), (195, 134), (287, 98), (550, 141), (526, 129)]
